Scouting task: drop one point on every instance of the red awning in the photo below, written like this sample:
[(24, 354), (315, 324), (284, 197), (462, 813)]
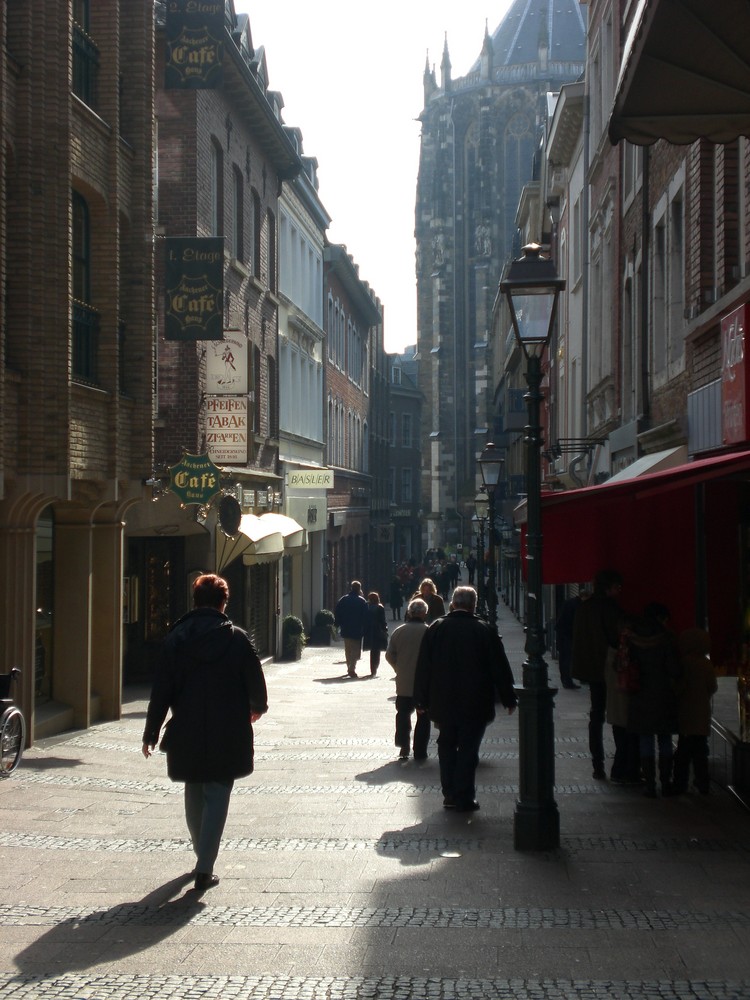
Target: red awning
[(647, 529)]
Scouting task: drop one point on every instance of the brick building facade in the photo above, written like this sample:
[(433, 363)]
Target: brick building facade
[(223, 154), (76, 294)]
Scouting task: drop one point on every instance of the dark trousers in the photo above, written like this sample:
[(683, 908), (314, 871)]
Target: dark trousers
[(626, 765), (691, 750), (598, 695), (405, 706), (206, 808), (458, 754), (564, 657), (374, 660)]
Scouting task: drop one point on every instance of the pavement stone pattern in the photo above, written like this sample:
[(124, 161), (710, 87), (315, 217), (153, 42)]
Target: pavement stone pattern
[(342, 878)]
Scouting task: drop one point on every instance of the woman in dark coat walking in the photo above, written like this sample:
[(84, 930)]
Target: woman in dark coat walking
[(376, 631), (211, 679)]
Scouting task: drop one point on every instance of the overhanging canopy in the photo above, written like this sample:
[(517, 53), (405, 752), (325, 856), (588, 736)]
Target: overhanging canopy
[(260, 539), (685, 73)]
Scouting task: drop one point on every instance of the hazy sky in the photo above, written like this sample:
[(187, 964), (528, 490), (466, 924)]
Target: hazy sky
[(351, 77)]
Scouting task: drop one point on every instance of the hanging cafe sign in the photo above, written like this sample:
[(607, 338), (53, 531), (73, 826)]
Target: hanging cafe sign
[(195, 46), (194, 285), (195, 479)]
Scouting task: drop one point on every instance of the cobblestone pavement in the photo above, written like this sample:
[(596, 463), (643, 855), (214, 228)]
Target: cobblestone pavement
[(343, 878)]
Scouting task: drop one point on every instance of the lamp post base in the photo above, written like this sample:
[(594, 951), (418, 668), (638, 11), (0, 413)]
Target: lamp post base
[(536, 821)]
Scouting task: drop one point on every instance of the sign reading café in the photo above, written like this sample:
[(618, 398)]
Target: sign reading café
[(195, 479)]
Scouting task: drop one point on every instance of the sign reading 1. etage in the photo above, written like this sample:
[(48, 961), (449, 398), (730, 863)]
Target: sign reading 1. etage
[(735, 426), (194, 286)]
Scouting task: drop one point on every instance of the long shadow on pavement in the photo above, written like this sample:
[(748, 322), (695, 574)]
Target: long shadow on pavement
[(82, 942)]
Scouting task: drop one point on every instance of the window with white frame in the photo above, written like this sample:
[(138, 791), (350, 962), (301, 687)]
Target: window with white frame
[(667, 334), (406, 485)]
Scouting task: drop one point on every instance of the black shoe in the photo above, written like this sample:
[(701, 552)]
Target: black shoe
[(420, 756), (471, 805), (403, 755), (205, 880), (600, 774), (572, 687), (449, 803)]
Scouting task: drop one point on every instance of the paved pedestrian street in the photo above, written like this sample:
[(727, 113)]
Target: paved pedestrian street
[(343, 877)]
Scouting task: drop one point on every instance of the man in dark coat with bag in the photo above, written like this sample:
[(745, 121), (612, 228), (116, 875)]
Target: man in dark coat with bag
[(462, 672), (211, 679)]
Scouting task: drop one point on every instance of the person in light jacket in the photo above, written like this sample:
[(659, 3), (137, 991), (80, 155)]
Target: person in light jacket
[(402, 654)]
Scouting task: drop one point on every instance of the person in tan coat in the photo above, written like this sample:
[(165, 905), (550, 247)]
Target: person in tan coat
[(696, 686), (402, 654)]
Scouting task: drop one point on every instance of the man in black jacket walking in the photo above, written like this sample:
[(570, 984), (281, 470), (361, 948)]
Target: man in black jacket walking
[(211, 679), (462, 672)]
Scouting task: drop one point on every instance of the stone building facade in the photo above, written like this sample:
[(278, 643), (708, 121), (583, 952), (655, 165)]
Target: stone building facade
[(353, 375), (480, 134)]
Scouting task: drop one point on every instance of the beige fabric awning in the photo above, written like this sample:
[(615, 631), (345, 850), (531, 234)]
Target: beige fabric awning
[(685, 73), (260, 539), (294, 535)]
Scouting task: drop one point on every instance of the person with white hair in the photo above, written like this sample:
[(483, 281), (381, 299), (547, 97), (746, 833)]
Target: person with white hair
[(462, 672)]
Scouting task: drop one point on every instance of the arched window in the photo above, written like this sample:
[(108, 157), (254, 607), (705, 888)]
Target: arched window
[(238, 214), (217, 188), (85, 333), (257, 231)]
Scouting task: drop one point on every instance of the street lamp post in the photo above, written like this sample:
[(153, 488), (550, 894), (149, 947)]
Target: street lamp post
[(481, 505), (532, 288), (490, 464)]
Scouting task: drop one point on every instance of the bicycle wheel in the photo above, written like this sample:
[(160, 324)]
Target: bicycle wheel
[(12, 736)]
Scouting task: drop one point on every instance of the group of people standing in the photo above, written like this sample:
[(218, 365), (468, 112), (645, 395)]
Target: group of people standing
[(649, 684)]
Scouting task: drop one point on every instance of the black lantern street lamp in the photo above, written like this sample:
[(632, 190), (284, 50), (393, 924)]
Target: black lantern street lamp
[(481, 505), (532, 288), (491, 462)]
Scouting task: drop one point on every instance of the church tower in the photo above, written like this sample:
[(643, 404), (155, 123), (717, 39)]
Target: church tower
[(479, 136)]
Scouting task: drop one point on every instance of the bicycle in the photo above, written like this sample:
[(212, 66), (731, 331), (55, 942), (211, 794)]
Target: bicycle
[(12, 725)]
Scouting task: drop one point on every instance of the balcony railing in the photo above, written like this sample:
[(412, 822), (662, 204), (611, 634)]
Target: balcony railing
[(85, 342)]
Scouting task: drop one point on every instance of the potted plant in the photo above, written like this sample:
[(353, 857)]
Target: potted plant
[(324, 628), (292, 638)]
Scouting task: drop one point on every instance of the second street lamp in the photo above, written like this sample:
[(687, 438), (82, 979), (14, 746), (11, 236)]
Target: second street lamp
[(481, 505), (491, 462), (532, 287)]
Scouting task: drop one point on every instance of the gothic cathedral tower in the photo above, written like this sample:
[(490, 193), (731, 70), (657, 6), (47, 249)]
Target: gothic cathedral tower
[(478, 143)]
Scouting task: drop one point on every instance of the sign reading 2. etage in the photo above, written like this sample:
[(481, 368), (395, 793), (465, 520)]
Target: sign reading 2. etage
[(195, 44)]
